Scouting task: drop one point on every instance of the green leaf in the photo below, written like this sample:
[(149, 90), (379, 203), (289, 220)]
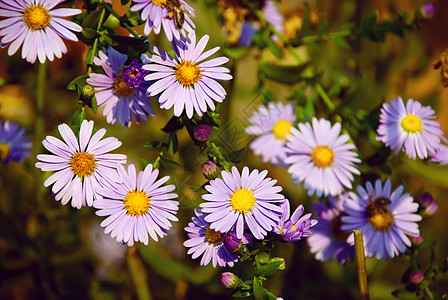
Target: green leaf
[(275, 49), (172, 144), (309, 109), (428, 171), (155, 145), (174, 124), (259, 40), (94, 105), (168, 163), (124, 2), (370, 19), (262, 257), (90, 33), (342, 42), (78, 116), (284, 74), (145, 162), (259, 290), (80, 81), (237, 156), (236, 53), (269, 269), (92, 19)]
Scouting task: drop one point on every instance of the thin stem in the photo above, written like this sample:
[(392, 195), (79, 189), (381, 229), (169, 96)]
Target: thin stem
[(332, 35), (361, 264), (156, 162), (112, 11), (138, 274), (39, 125), (324, 97), (95, 43)]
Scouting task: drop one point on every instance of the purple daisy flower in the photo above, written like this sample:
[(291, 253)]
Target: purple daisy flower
[(321, 157), (441, 154), (166, 14), (36, 25), (14, 144), (82, 166), (186, 82), (384, 217), (139, 207), (207, 242), (293, 228), (409, 127), (241, 200), (121, 90), (271, 124), (328, 241)]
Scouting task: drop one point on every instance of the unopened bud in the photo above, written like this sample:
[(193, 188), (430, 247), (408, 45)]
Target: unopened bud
[(417, 240), (209, 169), (230, 280), (416, 277), (87, 92), (429, 205), (428, 10), (202, 132), (283, 264)]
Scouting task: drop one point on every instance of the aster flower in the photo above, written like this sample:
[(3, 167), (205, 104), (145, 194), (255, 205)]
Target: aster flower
[(293, 228), (240, 200), (271, 124), (328, 241), (139, 207), (121, 90), (202, 132), (384, 217), (205, 241), (162, 13), (321, 157), (187, 82), (82, 165), (36, 25), (441, 154), (409, 127), (14, 144)]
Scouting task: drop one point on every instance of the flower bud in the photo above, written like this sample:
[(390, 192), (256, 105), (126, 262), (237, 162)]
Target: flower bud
[(416, 277), (282, 266), (231, 242), (87, 93), (417, 240), (429, 205), (202, 132), (428, 10), (209, 169), (230, 280)]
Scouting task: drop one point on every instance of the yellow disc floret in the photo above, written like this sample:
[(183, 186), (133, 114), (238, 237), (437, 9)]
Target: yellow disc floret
[(281, 129), (187, 73), (242, 200), (83, 164), (121, 88), (36, 17), (4, 151), (379, 216), (412, 123), (322, 156), (213, 236), (161, 3), (137, 203)]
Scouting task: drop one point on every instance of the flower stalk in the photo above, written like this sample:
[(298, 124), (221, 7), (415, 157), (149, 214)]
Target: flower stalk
[(361, 264)]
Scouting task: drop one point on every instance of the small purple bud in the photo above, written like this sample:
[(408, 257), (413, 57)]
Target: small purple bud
[(429, 204), (231, 242), (209, 169), (428, 10), (202, 132), (417, 240), (230, 280), (416, 277)]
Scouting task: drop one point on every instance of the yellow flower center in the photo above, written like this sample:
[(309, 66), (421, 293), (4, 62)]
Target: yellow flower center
[(83, 164), (4, 151), (378, 215), (187, 73), (242, 200), (281, 129), (161, 3), (137, 203), (121, 88), (36, 17), (412, 124), (322, 156), (213, 236)]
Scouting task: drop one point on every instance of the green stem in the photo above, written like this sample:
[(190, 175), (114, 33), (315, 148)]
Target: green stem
[(361, 264), (324, 97), (39, 125), (215, 148), (156, 162), (110, 9), (95, 43), (429, 293), (138, 274), (332, 35)]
